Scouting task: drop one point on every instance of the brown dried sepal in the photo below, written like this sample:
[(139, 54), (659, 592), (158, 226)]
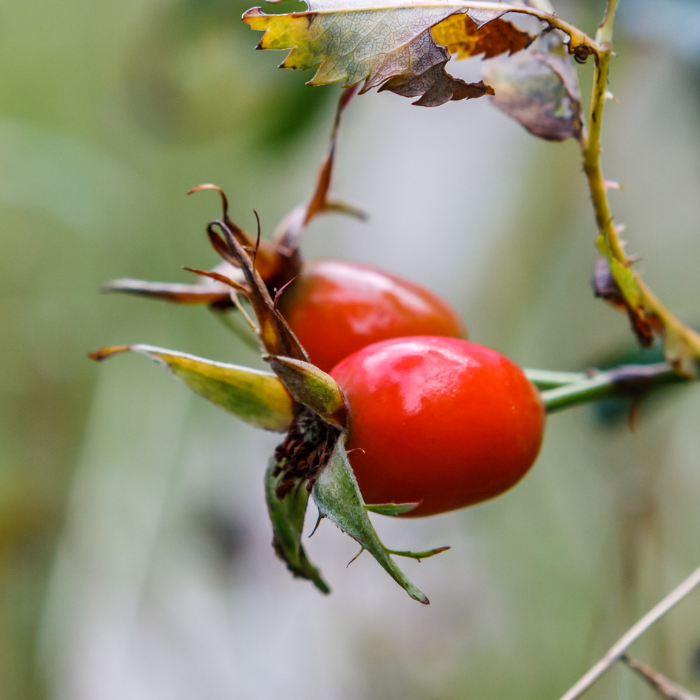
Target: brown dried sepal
[(304, 452), (275, 335), (272, 262)]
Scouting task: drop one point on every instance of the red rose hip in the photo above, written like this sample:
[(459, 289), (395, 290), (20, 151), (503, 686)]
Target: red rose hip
[(439, 421), (336, 308)]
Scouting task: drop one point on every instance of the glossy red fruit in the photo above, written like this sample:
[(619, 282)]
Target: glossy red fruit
[(336, 308), (438, 420)]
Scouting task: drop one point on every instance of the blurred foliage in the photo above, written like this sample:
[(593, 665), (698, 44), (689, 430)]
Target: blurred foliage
[(193, 78), (107, 112)]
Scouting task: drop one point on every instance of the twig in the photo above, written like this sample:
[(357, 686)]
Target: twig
[(657, 681), (619, 648)]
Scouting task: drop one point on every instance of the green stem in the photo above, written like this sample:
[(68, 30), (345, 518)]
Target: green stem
[(627, 381), (547, 379)]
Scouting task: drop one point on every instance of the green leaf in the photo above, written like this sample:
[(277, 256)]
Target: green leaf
[(391, 508), (258, 398), (338, 498), (287, 517), (311, 387)]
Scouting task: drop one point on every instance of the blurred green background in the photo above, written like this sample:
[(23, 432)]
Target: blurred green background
[(135, 557)]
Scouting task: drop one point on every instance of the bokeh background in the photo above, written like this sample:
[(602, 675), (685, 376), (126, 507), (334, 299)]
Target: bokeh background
[(135, 557)]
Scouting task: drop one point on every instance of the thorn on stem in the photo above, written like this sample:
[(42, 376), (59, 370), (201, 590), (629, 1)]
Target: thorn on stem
[(613, 185), (355, 557), (318, 522)]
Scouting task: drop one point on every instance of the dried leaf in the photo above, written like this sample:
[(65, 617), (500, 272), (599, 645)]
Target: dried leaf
[(389, 43), (287, 517), (607, 275), (436, 87), (539, 88), (339, 499), (462, 36), (621, 286), (258, 398)]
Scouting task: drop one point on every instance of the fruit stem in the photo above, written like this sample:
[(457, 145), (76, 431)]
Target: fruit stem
[(626, 381), (548, 379)]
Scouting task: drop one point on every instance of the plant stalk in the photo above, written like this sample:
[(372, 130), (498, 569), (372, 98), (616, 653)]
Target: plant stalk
[(548, 379), (626, 381), (682, 346), (620, 647)]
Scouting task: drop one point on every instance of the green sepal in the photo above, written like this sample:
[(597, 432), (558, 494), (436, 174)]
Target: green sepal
[(338, 498), (392, 509), (287, 518), (418, 555), (258, 398), (311, 387)]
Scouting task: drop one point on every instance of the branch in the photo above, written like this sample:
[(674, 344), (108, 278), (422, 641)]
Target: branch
[(618, 649), (682, 344)]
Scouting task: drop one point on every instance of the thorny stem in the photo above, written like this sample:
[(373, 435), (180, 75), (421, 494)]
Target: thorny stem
[(681, 341), (628, 380), (619, 648)]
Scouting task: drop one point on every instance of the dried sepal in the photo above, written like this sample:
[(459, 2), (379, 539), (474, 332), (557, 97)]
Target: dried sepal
[(312, 388), (270, 260), (213, 294), (338, 498), (258, 398), (287, 517), (275, 335)]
